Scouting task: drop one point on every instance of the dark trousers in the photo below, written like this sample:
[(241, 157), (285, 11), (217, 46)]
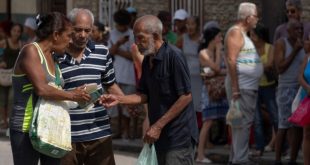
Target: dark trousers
[(180, 156), (25, 154)]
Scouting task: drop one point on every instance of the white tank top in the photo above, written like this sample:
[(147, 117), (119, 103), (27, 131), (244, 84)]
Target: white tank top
[(289, 78), (249, 66)]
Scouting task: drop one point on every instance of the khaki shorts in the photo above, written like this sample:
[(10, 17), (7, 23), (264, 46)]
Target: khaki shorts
[(95, 152)]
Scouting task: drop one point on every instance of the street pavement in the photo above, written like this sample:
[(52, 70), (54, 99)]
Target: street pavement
[(121, 157), (218, 154), (126, 152)]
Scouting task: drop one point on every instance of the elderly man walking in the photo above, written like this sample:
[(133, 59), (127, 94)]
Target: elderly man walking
[(165, 86), (244, 72)]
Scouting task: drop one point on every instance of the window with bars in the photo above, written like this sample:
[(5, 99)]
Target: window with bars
[(108, 7)]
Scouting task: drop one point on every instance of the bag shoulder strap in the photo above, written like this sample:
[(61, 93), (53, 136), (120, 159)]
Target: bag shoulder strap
[(57, 75)]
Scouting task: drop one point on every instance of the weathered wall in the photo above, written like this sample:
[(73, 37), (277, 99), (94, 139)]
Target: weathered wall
[(272, 12), (222, 10), (91, 5), (151, 6), (225, 12), (306, 10)]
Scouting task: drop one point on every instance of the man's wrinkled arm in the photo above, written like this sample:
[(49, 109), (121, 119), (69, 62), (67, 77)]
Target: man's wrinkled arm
[(174, 110)]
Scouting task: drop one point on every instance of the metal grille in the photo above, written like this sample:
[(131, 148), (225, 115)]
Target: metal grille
[(193, 7), (108, 7)]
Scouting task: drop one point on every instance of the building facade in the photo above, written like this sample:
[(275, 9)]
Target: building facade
[(272, 13)]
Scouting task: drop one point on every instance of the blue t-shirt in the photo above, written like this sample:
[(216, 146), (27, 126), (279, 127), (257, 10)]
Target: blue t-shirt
[(164, 84), (307, 78), (95, 67)]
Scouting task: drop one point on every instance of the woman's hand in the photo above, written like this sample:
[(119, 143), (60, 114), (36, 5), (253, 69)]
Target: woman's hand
[(79, 94), (219, 47)]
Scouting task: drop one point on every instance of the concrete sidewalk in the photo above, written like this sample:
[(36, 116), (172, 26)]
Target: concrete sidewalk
[(218, 154)]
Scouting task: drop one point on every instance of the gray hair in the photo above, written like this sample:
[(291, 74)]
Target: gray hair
[(295, 3), (246, 9), (74, 12), (151, 24)]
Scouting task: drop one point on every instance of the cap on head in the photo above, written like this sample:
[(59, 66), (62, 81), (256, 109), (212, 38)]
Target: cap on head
[(180, 14), (31, 23), (131, 10)]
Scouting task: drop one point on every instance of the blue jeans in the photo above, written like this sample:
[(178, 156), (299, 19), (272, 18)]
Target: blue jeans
[(267, 96)]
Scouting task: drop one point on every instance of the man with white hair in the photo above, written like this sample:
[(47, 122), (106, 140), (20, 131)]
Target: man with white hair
[(244, 71), (88, 63)]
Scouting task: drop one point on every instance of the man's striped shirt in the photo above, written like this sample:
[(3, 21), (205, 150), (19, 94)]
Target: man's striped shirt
[(95, 67)]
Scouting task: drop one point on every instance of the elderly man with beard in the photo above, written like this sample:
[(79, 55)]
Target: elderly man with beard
[(165, 86)]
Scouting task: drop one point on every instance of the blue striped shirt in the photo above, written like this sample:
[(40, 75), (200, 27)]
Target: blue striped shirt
[(95, 67)]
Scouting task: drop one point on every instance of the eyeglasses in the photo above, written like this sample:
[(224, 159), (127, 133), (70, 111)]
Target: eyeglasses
[(256, 16), (292, 11)]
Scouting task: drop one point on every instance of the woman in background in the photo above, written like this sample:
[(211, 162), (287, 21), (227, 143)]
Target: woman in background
[(189, 43), (11, 47), (266, 90), (211, 60)]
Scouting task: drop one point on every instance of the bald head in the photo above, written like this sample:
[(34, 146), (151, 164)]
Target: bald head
[(149, 24), (148, 34), (292, 23), (294, 28)]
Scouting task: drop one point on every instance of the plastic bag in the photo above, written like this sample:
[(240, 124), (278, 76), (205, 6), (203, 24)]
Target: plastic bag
[(234, 115), (301, 116), (147, 155), (296, 100), (50, 130)]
